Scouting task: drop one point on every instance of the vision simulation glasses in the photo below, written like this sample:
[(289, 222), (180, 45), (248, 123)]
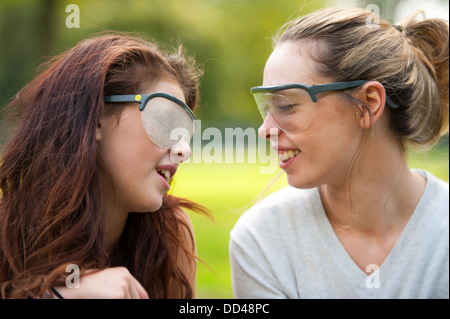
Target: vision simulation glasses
[(165, 118), (292, 106)]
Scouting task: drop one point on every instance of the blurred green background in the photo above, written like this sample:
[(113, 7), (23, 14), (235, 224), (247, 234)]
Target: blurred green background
[(231, 39)]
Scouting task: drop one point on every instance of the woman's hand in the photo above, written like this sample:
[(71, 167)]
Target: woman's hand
[(109, 283)]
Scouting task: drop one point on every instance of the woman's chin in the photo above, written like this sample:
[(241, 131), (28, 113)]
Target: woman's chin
[(300, 182), (151, 205)]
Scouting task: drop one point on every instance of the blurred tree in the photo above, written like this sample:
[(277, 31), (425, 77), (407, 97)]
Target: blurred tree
[(230, 38), (25, 38)]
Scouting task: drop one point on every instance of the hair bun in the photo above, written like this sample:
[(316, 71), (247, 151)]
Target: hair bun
[(430, 40)]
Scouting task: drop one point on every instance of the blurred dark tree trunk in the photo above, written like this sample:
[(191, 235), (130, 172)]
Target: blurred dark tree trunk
[(26, 37), (44, 21)]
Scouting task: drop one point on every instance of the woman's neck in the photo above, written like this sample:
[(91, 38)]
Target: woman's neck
[(380, 195)]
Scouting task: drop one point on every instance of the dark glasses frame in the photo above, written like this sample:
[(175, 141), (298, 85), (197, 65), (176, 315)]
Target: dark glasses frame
[(143, 99), (315, 89)]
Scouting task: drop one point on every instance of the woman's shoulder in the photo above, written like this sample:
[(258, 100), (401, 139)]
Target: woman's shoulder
[(286, 206), (436, 191), (431, 216), (287, 199)]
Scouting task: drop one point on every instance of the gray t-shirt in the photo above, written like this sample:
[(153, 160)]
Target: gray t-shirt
[(285, 247)]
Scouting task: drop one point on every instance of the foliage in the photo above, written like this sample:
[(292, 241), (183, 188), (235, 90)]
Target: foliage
[(230, 38)]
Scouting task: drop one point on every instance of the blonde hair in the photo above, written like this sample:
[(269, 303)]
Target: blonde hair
[(410, 60)]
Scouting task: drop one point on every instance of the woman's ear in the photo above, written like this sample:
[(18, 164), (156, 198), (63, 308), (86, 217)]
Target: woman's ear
[(373, 97)]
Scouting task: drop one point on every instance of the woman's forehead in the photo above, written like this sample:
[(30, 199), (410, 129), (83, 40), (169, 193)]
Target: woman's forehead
[(288, 63)]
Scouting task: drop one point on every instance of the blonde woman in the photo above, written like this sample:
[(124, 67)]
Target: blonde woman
[(342, 102)]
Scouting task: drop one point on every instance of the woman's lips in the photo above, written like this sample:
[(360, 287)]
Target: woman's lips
[(166, 173), (287, 156)]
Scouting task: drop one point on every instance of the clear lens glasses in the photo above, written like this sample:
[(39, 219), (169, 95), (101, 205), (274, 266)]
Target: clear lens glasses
[(292, 105), (292, 110)]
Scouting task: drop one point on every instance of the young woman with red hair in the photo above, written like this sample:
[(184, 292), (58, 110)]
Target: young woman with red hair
[(85, 174)]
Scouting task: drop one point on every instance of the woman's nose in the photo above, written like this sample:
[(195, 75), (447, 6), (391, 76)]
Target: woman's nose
[(180, 152), (268, 128)]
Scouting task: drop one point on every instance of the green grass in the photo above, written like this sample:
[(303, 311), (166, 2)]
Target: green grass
[(434, 161), (228, 190)]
